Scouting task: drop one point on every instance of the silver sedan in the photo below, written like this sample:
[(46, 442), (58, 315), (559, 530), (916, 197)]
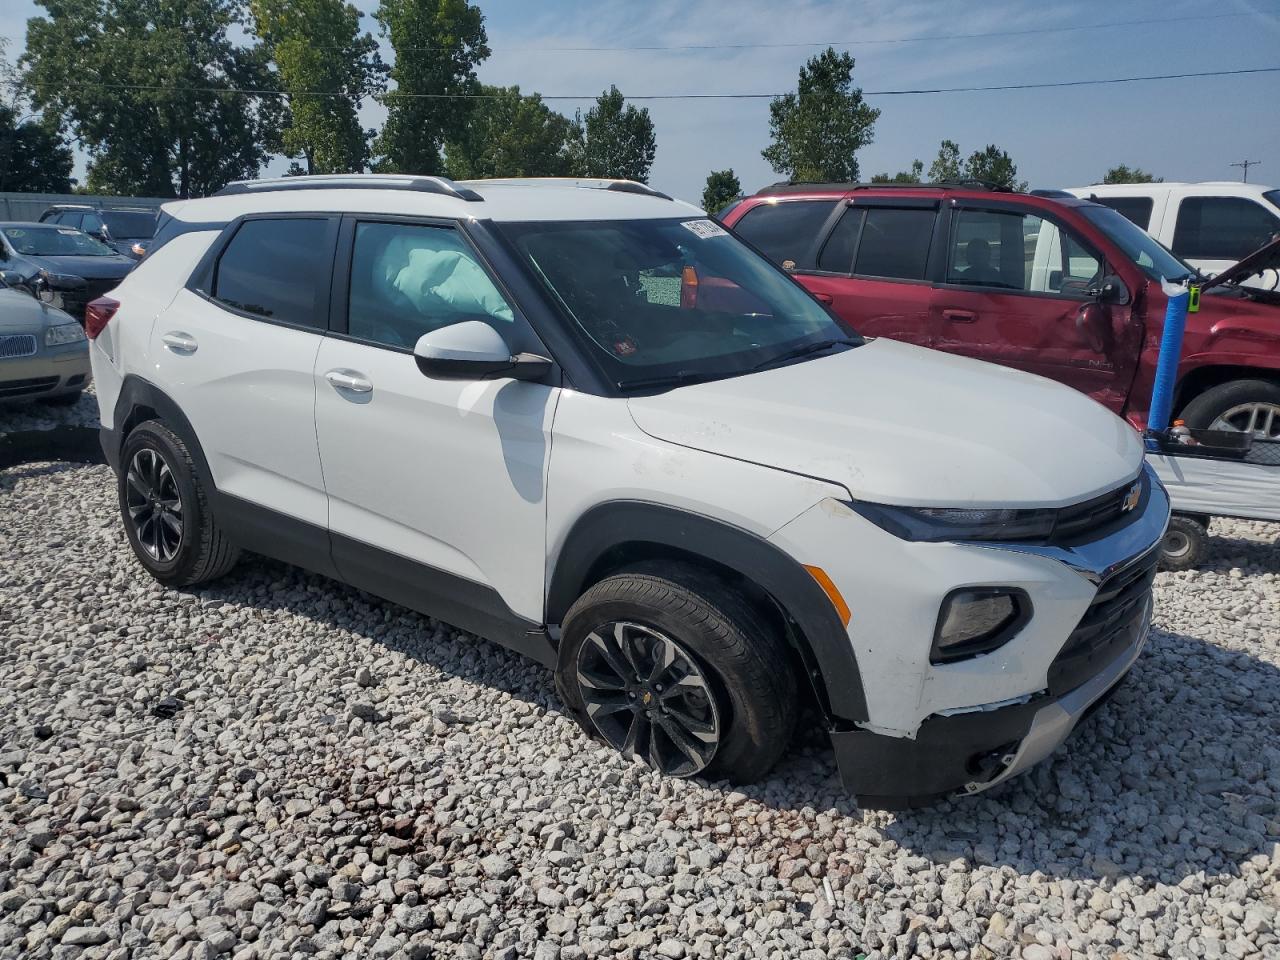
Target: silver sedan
[(43, 352)]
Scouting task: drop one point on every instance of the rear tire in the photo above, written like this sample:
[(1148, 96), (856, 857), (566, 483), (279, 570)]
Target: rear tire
[(166, 512), (1231, 405), (717, 650), (1185, 543)]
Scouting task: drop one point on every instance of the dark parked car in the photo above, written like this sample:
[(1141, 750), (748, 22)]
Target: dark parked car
[(76, 267), (127, 230), (1061, 287)]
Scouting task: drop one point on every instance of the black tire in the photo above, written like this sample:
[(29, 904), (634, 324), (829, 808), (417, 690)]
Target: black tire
[(1184, 544), (747, 667), (1202, 411), (203, 551), (63, 399)]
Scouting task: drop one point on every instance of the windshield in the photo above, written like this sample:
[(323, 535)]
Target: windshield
[(1155, 260), (55, 242), (672, 299), (130, 226)]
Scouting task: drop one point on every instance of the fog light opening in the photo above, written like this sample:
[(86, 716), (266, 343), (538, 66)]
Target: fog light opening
[(976, 620)]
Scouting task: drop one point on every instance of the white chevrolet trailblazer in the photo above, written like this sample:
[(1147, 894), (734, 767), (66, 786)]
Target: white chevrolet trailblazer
[(582, 420)]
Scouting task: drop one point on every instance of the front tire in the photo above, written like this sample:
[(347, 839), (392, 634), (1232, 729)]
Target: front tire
[(166, 512), (1247, 406), (675, 667)]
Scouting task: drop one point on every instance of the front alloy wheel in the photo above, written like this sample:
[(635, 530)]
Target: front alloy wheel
[(647, 697), (154, 505)]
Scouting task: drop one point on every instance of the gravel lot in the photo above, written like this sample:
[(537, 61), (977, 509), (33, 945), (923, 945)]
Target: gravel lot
[(342, 778)]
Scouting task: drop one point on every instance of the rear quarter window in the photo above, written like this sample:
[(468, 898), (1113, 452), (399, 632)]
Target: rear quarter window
[(1134, 209), (786, 230)]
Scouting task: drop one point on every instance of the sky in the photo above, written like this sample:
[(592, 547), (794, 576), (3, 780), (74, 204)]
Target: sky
[(1187, 129)]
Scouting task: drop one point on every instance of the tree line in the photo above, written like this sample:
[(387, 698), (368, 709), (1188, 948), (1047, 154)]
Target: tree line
[(176, 98)]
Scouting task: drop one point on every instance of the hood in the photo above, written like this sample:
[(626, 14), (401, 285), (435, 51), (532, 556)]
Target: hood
[(91, 268), (22, 313), (1266, 257), (898, 424)]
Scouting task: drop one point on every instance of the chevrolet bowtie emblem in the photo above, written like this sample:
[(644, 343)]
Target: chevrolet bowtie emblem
[(1131, 498)]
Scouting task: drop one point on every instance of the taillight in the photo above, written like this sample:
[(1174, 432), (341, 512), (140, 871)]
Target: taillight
[(98, 314), (688, 288)]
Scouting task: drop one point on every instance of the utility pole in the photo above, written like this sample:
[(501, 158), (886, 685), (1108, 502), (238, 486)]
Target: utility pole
[(1246, 164)]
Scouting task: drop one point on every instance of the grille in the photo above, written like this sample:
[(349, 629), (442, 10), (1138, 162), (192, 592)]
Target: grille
[(17, 345), (1109, 625), (21, 388), (1086, 519)]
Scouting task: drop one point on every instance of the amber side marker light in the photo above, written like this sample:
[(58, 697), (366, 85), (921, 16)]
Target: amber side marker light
[(829, 588)]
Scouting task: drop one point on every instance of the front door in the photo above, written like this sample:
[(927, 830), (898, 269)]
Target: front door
[(1012, 291), (436, 488)]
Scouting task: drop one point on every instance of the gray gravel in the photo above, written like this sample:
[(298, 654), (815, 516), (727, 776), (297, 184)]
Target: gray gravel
[(342, 778)]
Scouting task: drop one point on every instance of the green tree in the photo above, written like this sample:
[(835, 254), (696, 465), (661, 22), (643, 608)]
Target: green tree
[(33, 157), (1126, 174), (721, 190), (947, 165), (140, 84), (316, 45), (914, 175), (437, 44), (511, 135), (614, 140), (993, 166), (818, 130)]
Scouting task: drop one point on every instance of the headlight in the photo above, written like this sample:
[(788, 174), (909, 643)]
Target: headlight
[(139, 248), (62, 333), (959, 523), (976, 620)]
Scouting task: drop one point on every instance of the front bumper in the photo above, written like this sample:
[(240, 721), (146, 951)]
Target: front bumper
[(49, 372), (972, 751)]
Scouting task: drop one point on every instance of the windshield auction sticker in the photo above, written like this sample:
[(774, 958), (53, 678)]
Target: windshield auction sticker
[(704, 229)]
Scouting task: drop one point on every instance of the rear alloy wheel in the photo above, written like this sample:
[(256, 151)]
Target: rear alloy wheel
[(648, 698), (165, 510), (1245, 406), (154, 504)]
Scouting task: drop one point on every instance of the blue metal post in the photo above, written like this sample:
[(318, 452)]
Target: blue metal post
[(1175, 324)]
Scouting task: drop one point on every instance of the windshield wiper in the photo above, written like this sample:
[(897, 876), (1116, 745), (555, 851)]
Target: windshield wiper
[(806, 350), (678, 379)]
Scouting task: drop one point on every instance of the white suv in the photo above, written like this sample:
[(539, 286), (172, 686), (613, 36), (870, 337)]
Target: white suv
[(1210, 225), (580, 419)]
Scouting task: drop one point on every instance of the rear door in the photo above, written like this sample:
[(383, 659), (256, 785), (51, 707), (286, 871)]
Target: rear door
[(1010, 290), (236, 350), (872, 267)]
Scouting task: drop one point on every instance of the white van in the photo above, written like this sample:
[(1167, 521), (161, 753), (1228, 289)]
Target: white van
[(1211, 225)]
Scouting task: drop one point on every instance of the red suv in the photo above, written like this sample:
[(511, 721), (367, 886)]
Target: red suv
[(1057, 286)]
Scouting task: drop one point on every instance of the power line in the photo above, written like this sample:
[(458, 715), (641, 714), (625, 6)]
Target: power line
[(395, 94), (1031, 31)]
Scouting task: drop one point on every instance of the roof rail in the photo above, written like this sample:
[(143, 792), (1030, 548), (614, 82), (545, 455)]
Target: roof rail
[(352, 181), (804, 186), (589, 183)]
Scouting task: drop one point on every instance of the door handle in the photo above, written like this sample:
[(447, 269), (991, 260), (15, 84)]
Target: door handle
[(825, 298), (180, 342), (959, 316), (349, 380)]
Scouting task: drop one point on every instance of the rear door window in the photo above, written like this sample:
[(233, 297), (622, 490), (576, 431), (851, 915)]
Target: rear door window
[(837, 252), (895, 243), (1134, 209), (787, 230), (278, 270), (1222, 228)]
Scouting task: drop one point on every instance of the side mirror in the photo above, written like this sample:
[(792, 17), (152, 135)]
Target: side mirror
[(1110, 289), (473, 350), (1093, 322)]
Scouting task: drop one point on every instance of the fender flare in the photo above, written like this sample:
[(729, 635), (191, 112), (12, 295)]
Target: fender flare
[(608, 525), (136, 392)]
